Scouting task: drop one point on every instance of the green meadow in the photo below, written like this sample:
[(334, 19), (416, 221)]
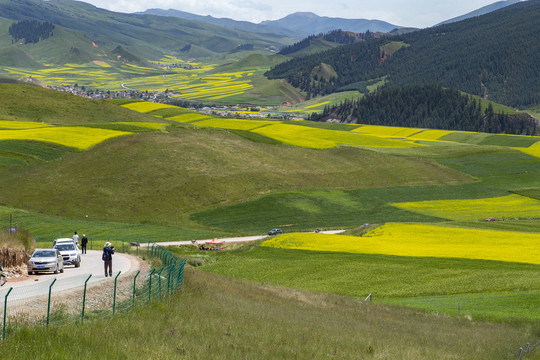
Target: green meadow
[(169, 177)]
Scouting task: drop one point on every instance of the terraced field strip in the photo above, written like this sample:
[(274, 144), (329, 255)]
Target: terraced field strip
[(234, 124), (315, 138), (8, 124), (510, 207), (423, 241), (533, 150), (146, 106), (78, 137)]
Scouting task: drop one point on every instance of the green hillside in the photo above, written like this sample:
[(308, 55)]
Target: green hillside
[(32, 103), (146, 35), (200, 176), (491, 56)]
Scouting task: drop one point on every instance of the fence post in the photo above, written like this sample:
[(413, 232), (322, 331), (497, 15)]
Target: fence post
[(5, 314), (170, 285), (181, 274), (84, 297), (49, 302), (159, 282), (114, 295), (148, 249), (134, 285), (150, 285)]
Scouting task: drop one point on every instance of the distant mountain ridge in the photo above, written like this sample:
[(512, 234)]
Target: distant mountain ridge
[(225, 22), (299, 24), (309, 23)]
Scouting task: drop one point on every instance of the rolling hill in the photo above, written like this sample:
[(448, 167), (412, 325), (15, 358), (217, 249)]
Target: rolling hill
[(492, 56), (148, 36)]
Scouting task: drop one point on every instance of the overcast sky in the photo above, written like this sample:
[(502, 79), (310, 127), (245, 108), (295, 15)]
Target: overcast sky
[(416, 13)]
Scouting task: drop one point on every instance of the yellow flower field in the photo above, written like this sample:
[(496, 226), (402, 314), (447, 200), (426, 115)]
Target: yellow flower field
[(533, 150), (234, 124), (387, 131), (309, 137), (422, 241), (8, 124), (188, 117), (146, 106), (73, 136), (511, 206)]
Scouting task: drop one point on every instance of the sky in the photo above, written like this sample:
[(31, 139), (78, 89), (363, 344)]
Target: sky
[(414, 13)]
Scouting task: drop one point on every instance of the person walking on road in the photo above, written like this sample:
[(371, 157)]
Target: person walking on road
[(84, 241), (76, 238), (108, 251)]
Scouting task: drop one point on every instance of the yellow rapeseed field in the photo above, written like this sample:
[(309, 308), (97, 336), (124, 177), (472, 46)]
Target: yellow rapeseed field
[(234, 124), (510, 206), (8, 124), (78, 137), (422, 241), (146, 106), (533, 150), (309, 137), (188, 117)]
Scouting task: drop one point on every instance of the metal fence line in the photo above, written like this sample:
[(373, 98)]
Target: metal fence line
[(25, 306)]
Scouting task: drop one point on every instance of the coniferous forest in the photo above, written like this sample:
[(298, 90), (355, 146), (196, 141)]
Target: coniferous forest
[(32, 31), (494, 56), (427, 106)]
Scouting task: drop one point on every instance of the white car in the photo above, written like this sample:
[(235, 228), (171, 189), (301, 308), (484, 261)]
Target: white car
[(63, 240), (70, 252), (46, 260)]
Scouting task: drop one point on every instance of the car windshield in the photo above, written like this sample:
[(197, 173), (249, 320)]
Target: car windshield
[(44, 253), (65, 247)]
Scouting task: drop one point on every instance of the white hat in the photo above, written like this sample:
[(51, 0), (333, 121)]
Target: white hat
[(107, 244)]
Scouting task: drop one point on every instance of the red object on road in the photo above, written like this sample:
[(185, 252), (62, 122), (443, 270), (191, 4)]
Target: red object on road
[(215, 241)]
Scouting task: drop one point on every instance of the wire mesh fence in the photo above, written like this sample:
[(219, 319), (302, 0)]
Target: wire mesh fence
[(61, 301)]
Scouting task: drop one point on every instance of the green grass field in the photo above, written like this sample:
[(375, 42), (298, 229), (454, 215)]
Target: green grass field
[(215, 317), (171, 180)]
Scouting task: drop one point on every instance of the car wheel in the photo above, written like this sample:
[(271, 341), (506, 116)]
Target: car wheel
[(62, 270), (56, 270), (30, 272), (77, 264)]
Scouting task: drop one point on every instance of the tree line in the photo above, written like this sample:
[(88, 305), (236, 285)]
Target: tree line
[(428, 106), (32, 31), (334, 36)]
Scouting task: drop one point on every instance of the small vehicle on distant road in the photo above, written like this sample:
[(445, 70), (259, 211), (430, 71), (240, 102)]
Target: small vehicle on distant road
[(70, 252), (491, 219), (275, 232), (46, 260)]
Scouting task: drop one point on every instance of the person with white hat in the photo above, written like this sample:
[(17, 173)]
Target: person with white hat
[(108, 251)]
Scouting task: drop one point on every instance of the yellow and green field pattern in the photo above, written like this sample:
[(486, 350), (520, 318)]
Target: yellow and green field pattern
[(418, 240), (78, 137), (504, 207)]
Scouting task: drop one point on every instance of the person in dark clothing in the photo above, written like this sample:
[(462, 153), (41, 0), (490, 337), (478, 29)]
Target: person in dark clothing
[(84, 241), (108, 251)]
